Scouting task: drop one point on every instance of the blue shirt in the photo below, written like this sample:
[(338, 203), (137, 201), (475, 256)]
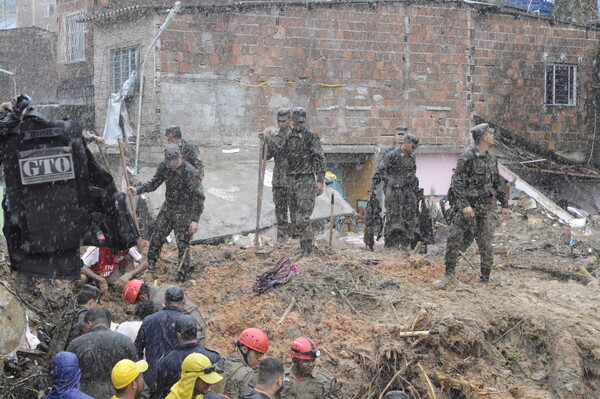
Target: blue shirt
[(156, 337)]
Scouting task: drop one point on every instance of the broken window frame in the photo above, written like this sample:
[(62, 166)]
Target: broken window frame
[(561, 89), (73, 38), (131, 56)]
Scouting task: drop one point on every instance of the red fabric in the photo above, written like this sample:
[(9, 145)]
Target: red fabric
[(107, 262)]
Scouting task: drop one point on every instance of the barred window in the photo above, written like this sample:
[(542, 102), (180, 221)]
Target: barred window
[(561, 84), (124, 62), (72, 38)]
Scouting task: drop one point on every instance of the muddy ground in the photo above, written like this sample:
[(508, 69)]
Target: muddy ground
[(533, 332)]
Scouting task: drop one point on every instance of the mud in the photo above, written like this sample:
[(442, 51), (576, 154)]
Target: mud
[(527, 334)]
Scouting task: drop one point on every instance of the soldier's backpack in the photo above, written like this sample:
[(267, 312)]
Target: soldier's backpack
[(57, 198)]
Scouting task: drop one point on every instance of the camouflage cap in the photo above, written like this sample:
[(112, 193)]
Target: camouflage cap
[(174, 131), (298, 114), (478, 131), (411, 139), (283, 114), (401, 130), (172, 154)]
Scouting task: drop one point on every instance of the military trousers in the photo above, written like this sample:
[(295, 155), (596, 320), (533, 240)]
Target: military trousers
[(301, 191), (280, 199), (463, 232), (400, 218), (171, 218)]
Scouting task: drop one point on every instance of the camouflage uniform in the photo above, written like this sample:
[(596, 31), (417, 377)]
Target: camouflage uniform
[(191, 154), (398, 168), (373, 221), (476, 183), (184, 203), (238, 377), (312, 387), (305, 162), (276, 149)]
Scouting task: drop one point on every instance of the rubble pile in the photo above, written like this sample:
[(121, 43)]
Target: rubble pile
[(531, 333)]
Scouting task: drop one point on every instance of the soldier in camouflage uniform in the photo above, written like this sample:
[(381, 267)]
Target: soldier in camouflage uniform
[(476, 185), (301, 381), (276, 144), (184, 203), (189, 151), (238, 368), (306, 163), (397, 171)]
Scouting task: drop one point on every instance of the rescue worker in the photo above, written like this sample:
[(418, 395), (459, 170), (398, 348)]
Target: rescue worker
[(127, 378), (301, 380), (169, 366), (156, 335), (398, 140), (189, 151), (137, 291), (269, 382), (131, 328), (238, 368), (98, 350), (108, 266), (397, 171), (373, 221), (306, 174), (477, 186), (71, 325), (197, 376), (65, 378), (184, 203), (276, 148)]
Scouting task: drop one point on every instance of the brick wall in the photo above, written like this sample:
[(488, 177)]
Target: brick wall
[(361, 69), (396, 64), (511, 53)]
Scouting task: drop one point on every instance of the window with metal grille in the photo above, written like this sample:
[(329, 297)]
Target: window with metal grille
[(73, 38), (124, 62), (561, 84), (48, 10)]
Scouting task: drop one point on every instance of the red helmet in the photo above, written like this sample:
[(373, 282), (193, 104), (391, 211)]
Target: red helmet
[(304, 348), (254, 339), (131, 290)]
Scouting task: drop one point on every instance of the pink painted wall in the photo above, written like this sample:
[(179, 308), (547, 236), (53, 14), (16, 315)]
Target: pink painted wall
[(435, 171)]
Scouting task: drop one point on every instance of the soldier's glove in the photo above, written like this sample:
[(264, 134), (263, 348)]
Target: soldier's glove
[(333, 391)]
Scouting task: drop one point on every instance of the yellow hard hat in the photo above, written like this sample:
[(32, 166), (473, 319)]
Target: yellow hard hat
[(330, 176)]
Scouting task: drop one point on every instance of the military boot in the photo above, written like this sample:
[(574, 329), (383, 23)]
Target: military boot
[(445, 282), (151, 265), (307, 247), (485, 276), (181, 276)]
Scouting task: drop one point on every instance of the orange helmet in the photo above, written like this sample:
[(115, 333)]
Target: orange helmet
[(131, 290), (254, 339), (304, 348)]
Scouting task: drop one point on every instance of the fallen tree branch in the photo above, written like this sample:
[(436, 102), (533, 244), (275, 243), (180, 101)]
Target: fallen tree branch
[(431, 391), (287, 310), (466, 258), (346, 299)]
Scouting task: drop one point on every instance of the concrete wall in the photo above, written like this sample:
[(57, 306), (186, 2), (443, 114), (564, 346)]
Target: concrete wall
[(28, 52), (31, 13), (114, 36), (75, 86)]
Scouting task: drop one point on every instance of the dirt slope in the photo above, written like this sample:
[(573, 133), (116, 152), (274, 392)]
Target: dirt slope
[(528, 334)]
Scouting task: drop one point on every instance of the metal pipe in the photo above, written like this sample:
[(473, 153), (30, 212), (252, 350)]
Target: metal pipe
[(13, 77), (174, 10)]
